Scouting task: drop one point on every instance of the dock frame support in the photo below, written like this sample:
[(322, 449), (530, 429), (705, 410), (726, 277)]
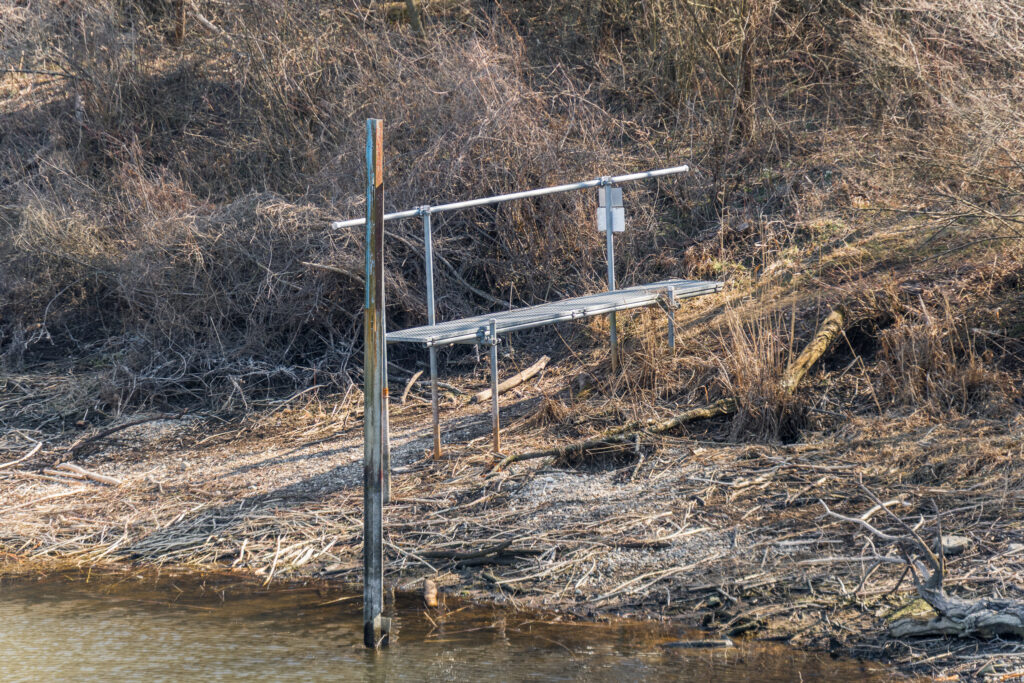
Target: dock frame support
[(492, 340), (667, 300), (428, 255), (672, 306), (606, 183)]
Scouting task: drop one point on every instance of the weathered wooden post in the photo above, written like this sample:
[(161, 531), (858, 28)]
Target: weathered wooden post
[(376, 628)]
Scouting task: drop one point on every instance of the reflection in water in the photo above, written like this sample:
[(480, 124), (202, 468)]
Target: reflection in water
[(175, 628)]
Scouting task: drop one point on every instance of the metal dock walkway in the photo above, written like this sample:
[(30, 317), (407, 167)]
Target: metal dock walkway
[(485, 329), (476, 330)]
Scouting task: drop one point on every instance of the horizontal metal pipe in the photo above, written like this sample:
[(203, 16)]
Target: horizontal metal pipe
[(497, 199), (355, 222)]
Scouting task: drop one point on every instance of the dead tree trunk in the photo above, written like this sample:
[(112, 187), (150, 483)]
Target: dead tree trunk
[(414, 17), (617, 436)]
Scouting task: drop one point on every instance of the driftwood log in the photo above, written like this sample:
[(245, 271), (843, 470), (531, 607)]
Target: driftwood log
[(985, 617), (513, 381), (76, 448), (826, 334), (501, 553), (470, 555)]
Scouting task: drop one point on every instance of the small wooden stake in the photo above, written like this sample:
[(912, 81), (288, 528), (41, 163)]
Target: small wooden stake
[(179, 22), (414, 17)]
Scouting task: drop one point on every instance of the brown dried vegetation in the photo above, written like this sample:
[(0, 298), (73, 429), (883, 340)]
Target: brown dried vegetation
[(161, 201), (164, 243)]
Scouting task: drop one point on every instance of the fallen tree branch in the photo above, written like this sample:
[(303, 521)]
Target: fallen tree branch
[(62, 475), (985, 617), (513, 381), (823, 338), (408, 386), (617, 436), (86, 440), (700, 644), (88, 474), (352, 273), (33, 451), (862, 521), (43, 499), (455, 555)]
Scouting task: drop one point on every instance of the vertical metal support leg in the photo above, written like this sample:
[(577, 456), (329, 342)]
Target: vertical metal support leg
[(433, 403), (671, 319), (375, 627), (428, 248), (495, 422), (612, 338), (610, 250)]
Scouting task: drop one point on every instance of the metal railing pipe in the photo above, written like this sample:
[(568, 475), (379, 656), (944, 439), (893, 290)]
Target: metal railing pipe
[(356, 222), (497, 199), (495, 420)]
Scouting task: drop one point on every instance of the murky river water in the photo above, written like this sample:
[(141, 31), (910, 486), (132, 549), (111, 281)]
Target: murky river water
[(174, 628)]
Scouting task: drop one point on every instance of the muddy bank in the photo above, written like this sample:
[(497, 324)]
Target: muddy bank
[(700, 532)]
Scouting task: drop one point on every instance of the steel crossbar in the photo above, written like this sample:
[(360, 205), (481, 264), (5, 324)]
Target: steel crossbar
[(497, 199)]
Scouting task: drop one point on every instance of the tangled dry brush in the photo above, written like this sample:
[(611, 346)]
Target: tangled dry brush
[(168, 169)]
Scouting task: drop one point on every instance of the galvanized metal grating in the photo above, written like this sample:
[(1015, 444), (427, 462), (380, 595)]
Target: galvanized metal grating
[(474, 330)]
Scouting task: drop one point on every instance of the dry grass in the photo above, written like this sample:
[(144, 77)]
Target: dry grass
[(932, 359), (160, 201), (732, 532), (756, 353)]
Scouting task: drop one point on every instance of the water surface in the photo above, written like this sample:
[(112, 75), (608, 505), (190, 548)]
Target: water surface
[(172, 628)]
